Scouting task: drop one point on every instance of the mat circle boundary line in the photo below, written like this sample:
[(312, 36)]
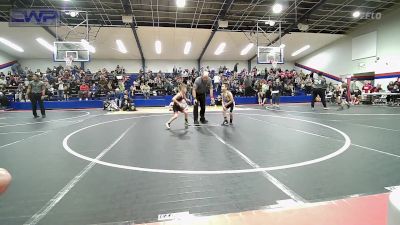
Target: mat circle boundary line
[(341, 150)]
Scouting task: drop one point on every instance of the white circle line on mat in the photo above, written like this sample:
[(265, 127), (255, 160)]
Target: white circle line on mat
[(339, 114), (210, 172), (47, 121)]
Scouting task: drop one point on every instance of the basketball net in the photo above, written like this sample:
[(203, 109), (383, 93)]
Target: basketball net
[(68, 62), (274, 64)]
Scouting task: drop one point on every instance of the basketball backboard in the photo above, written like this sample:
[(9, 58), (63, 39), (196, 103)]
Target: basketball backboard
[(269, 55), (78, 51)]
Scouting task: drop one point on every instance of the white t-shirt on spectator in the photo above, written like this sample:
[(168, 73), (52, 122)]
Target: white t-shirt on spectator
[(61, 86), (217, 79)]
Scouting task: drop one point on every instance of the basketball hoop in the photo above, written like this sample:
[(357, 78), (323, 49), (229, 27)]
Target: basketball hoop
[(68, 61), (274, 64)]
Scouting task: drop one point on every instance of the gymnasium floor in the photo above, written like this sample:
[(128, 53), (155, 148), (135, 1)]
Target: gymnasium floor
[(93, 167)]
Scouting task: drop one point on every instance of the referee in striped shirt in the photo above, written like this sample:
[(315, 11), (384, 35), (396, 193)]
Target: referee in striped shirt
[(36, 92)]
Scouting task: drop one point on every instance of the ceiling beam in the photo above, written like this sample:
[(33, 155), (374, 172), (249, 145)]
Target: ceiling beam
[(224, 11), (128, 11), (293, 25), (52, 33)]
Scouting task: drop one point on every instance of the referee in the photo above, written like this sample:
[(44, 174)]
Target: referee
[(201, 85), (36, 91), (319, 89)]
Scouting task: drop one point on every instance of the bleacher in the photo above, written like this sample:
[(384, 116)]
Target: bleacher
[(158, 96)]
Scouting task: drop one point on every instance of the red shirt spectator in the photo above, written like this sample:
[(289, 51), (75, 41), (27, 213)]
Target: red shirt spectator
[(282, 75), (378, 88), (84, 87), (367, 88)]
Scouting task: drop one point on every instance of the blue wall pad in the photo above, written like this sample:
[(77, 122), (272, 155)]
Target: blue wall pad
[(140, 102)]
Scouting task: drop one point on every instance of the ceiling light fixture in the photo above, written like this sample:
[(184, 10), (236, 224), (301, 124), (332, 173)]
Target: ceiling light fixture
[(72, 13), (11, 45), (301, 50), (188, 45), (356, 14), (89, 47), (247, 49), (45, 44), (121, 46), (180, 3), (158, 47), (277, 8), (220, 48), (270, 22)]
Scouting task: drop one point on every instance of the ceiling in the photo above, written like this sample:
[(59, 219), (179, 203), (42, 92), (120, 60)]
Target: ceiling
[(323, 16), (197, 22), (173, 41)]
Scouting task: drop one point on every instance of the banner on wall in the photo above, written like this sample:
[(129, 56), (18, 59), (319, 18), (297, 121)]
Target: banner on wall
[(33, 17)]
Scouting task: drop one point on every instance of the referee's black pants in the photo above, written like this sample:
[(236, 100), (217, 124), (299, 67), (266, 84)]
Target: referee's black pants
[(201, 100), (35, 99), (321, 93)]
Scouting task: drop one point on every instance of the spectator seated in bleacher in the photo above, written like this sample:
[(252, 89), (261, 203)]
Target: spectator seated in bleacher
[(145, 88), (83, 91), (71, 83), (94, 91)]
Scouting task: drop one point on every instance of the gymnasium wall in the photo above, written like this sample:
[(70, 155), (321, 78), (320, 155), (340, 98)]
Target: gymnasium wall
[(130, 65), (168, 65), (5, 59), (285, 66), (134, 65), (41, 64), (229, 64), (336, 58)]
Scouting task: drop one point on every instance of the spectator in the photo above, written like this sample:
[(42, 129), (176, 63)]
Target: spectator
[(217, 82), (83, 91), (235, 68), (367, 87), (132, 90), (145, 88), (94, 91), (103, 82), (376, 89), (276, 91), (127, 104), (49, 90), (121, 85), (60, 89), (260, 92), (248, 89), (13, 82)]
